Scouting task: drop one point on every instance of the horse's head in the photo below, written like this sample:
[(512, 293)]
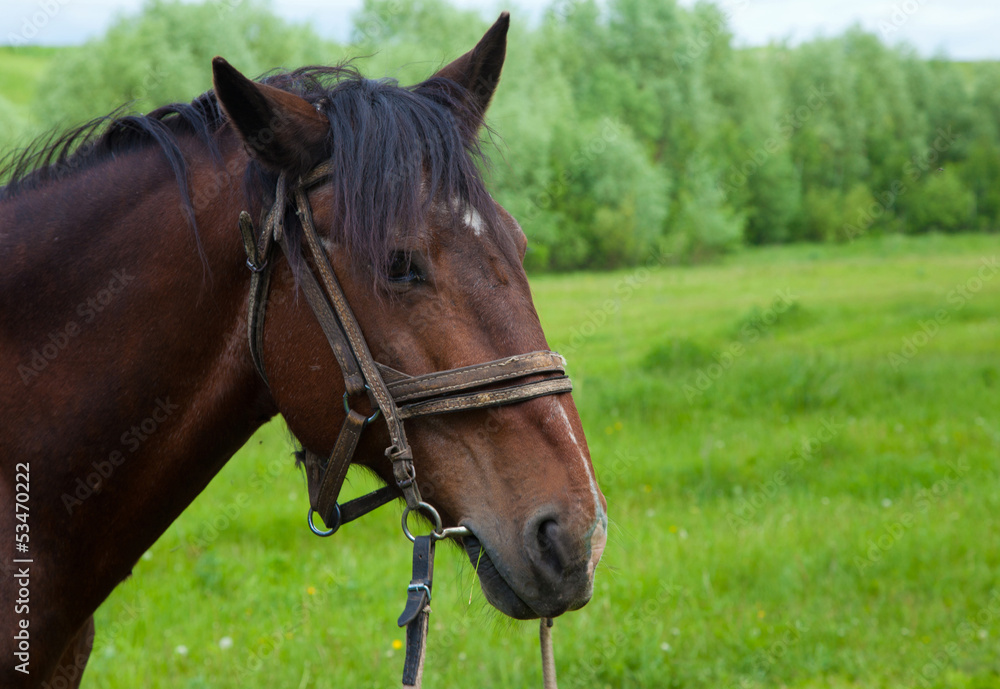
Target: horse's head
[(431, 266)]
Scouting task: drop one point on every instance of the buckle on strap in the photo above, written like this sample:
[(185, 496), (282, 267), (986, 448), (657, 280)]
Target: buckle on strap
[(255, 262), (255, 265), (416, 588), (419, 590)]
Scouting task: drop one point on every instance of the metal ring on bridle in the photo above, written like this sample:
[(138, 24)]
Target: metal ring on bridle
[(329, 532), (347, 409), (429, 509), (439, 533)]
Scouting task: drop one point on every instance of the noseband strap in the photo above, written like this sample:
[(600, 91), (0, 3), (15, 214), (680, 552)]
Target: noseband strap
[(395, 395)]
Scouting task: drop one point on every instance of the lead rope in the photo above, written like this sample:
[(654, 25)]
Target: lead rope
[(545, 637), (548, 658)]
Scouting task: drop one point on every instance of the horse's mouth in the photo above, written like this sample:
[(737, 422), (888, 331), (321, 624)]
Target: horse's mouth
[(496, 587)]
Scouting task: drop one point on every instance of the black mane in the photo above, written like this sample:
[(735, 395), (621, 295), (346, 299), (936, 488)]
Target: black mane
[(385, 141)]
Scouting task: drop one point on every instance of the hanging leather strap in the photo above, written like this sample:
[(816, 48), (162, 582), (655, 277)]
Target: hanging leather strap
[(417, 611)]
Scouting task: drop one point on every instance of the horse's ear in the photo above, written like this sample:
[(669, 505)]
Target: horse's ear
[(478, 71), (278, 128)]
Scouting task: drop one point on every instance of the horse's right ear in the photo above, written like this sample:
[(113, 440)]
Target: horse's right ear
[(278, 128)]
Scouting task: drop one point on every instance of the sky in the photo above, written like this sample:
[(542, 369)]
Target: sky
[(959, 29)]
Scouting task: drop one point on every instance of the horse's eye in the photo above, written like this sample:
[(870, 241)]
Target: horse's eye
[(403, 269)]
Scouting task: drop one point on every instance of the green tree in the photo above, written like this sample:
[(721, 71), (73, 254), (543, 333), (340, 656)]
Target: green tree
[(622, 126), (164, 55)]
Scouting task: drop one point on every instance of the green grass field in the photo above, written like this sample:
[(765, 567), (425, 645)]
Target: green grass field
[(791, 505)]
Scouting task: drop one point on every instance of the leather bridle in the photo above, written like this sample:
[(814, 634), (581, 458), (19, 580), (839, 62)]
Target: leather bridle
[(394, 395)]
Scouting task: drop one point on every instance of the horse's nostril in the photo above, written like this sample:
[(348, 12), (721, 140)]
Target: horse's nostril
[(548, 546)]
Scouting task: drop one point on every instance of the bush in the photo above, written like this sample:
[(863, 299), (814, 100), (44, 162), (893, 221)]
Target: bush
[(821, 217), (940, 203)]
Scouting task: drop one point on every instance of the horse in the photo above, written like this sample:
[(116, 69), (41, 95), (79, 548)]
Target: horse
[(128, 380)]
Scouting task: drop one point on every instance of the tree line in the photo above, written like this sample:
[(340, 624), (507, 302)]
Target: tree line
[(623, 129)]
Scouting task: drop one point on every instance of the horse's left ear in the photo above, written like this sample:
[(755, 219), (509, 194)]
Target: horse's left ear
[(280, 129), (478, 71)]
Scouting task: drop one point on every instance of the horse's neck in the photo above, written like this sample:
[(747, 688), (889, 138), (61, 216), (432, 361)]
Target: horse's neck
[(57, 235), (127, 375)]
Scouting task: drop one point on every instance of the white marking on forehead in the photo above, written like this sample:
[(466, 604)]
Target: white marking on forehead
[(474, 220), (470, 216)]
